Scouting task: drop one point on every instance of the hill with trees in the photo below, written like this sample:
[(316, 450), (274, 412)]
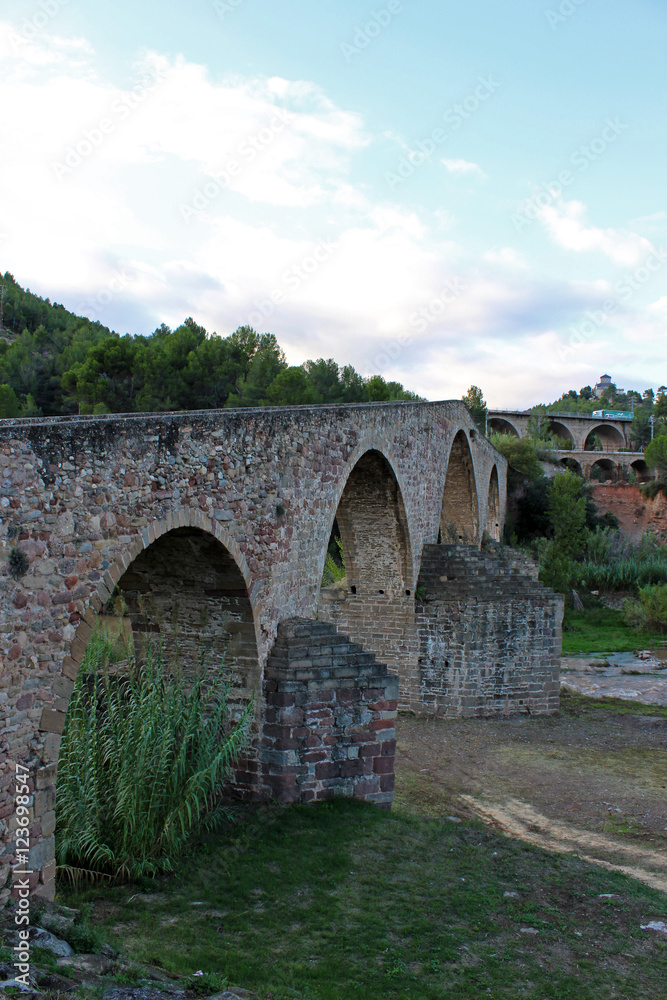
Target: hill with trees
[(53, 362)]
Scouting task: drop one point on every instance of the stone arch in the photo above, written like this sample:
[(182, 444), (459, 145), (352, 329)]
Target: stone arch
[(561, 434), (374, 528), (501, 425), (610, 436), (459, 514), (377, 552), (573, 465), (186, 518), (642, 470), (607, 470), (186, 590), (493, 506)]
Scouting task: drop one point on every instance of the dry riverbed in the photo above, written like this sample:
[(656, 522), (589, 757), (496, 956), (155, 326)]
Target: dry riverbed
[(590, 781)]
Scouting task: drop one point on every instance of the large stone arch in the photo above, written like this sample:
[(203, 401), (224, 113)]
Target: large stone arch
[(501, 425), (610, 436), (379, 583), (185, 518), (459, 513), (232, 631), (493, 517)]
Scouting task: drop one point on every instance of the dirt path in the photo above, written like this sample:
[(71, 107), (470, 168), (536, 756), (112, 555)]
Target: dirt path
[(589, 782)]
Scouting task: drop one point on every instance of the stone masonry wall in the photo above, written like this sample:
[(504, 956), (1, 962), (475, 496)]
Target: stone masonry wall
[(490, 637), (330, 718)]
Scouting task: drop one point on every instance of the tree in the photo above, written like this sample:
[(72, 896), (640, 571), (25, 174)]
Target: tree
[(9, 404), (656, 455), (521, 453), (567, 513), (474, 400)]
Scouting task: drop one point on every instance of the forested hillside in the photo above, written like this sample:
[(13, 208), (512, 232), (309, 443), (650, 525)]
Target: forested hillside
[(53, 362)]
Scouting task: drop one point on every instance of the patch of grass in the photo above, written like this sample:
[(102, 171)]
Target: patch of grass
[(598, 629), (343, 900), (574, 703)]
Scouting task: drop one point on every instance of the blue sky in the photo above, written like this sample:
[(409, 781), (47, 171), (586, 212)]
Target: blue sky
[(446, 193)]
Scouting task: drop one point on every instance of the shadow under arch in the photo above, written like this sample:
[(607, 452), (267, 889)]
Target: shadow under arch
[(573, 465), (604, 470), (493, 506), (188, 519), (459, 514), (641, 470), (610, 438), (374, 602), (561, 435), (502, 426)]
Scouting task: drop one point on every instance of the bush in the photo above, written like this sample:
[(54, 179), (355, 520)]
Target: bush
[(142, 763), (649, 613)]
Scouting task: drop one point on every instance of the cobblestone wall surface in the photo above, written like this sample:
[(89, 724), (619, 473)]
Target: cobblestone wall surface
[(83, 497), (490, 636), (330, 718)]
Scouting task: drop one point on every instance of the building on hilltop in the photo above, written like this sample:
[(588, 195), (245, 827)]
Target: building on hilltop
[(604, 383)]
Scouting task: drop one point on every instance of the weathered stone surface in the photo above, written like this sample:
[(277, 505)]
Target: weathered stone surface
[(215, 525)]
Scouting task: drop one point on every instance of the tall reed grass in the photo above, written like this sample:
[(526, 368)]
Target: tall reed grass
[(143, 759)]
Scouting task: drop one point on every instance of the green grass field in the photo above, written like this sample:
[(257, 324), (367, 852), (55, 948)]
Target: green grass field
[(598, 629), (340, 900)]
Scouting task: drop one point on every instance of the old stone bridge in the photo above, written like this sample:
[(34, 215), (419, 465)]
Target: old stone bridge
[(214, 526)]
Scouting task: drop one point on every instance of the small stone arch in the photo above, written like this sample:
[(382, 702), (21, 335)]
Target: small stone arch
[(493, 521), (459, 514), (573, 465), (604, 470), (501, 425), (610, 438), (642, 471), (561, 434)]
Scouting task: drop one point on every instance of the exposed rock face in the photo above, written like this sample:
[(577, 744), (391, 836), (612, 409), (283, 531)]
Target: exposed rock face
[(636, 514)]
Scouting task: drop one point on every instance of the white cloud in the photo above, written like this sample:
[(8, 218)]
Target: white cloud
[(507, 256), (109, 238), (459, 167), (565, 222)]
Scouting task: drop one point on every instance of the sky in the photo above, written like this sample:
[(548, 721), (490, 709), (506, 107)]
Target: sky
[(443, 193)]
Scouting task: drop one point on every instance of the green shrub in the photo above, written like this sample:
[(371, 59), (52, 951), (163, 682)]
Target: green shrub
[(334, 564), (143, 759), (650, 611)]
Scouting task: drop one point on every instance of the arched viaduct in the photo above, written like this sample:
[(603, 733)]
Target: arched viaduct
[(214, 526), (588, 443)]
